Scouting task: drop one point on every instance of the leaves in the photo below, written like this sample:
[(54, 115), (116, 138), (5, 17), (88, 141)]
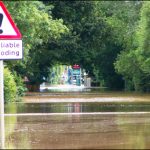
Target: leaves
[(37, 26), (106, 38)]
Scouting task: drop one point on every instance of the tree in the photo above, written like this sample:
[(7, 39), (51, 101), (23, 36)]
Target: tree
[(38, 28), (135, 60), (101, 29), (89, 36), (89, 33)]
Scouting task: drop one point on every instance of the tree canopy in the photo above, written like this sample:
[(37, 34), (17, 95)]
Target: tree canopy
[(109, 39), (37, 26), (136, 60)]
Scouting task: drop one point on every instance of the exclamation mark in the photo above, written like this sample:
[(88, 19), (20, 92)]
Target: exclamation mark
[(1, 19)]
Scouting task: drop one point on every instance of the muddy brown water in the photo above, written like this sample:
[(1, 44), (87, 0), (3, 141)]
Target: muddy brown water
[(79, 120)]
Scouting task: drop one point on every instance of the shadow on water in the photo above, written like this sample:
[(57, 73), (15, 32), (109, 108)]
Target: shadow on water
[(76, 107)]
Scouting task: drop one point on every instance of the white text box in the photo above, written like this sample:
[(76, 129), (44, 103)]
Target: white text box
[(11, 49)]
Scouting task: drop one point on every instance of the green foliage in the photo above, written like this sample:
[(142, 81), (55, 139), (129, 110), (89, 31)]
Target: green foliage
[(99, 30), (21, 89), (127, 64), (143, 51), (104, 37), (55, 73), (134, 64), (37, 26), (35, 22), (10, 88), (87, 43)]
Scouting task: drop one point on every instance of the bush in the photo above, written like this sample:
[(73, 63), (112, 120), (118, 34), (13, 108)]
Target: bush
[(10, 88), (21, 89)]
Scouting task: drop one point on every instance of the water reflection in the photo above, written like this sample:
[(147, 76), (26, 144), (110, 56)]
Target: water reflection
[(36, 126), (135, 131), (14, 140), (76, 107), (2, 132), (80, 131)]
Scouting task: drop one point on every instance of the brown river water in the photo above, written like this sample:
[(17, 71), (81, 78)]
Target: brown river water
[(79, 120)]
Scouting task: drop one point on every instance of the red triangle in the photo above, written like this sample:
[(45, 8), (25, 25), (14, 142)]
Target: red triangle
[(9, 35)]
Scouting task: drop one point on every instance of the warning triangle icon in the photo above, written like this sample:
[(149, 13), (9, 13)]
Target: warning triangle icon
[(8, 29)]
